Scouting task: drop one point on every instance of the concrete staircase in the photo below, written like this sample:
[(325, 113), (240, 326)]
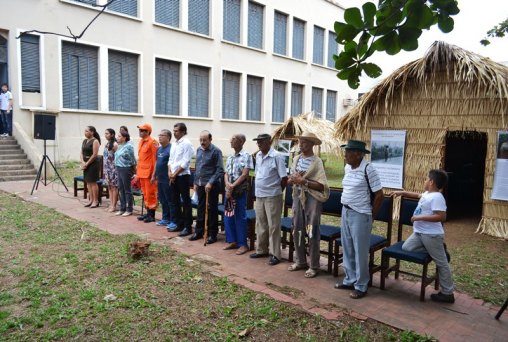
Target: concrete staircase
[(14, 164)]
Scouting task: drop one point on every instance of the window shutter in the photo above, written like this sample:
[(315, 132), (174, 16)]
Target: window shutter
[(255, 25), (231, 20), (30, 63), (80, 83), (199, 16), (331, 105), (254, 96), (123, 82), (298, 38), (198, 91), (280, 33), (317, 102), (230, 95), (296, 99), (128, 7), (278, 101), (319, 36), (167, 12), (167, 87), (333, 48)]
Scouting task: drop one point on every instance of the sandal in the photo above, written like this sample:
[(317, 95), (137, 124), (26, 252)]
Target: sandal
[(242, 250), (297, 267), (356, 294), (311, 273)]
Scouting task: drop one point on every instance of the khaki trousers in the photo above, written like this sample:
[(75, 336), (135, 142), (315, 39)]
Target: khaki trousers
[(268, 213)]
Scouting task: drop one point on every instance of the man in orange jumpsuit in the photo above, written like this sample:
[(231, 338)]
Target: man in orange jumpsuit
[(147, 155)]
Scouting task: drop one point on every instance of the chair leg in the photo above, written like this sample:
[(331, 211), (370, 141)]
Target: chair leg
[(85, 191), (330, 255), (385, 263), (252, 235), (424, 282), (436, 282), (500, 312), (336, 261), (397, 268), (291, 248), (75, 188)]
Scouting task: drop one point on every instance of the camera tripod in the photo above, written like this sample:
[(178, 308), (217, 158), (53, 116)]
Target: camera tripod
[(39, 173)]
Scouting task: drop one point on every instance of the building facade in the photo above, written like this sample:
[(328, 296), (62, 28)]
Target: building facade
[(227, 66)]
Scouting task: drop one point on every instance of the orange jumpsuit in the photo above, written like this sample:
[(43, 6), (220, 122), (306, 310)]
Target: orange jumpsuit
[(147, 154)]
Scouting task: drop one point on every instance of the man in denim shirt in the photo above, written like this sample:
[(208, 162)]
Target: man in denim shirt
[(207, 180)]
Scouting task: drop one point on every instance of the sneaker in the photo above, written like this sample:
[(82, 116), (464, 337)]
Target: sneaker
[(172, 225), (443, 298), (119, 213), (127, 213), (162, 223)]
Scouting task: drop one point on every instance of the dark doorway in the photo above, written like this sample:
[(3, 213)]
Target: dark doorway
[(3, 60), (465, 163)]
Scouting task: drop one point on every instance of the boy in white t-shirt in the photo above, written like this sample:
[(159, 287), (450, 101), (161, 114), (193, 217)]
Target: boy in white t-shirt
[(428, 233)]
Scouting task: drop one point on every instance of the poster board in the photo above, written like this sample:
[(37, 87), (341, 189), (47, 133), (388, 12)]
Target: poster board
[(387, 156), (500, 187)]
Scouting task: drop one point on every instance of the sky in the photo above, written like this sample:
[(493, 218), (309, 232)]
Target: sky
[(471, 25)]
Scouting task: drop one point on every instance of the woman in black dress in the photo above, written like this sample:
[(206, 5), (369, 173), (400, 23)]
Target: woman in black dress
[(90, 164)]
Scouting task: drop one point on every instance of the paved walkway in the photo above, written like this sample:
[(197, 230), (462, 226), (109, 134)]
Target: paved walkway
[(467, 320)]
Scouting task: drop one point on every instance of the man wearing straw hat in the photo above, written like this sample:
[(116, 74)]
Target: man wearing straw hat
[(310, 190), (207, 181), (360, 180), (271, 179)]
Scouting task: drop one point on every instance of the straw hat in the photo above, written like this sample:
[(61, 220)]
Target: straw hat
[(310, 137)]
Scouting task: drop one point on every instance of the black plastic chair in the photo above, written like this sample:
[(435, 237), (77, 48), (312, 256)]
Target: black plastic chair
[(395, 251)]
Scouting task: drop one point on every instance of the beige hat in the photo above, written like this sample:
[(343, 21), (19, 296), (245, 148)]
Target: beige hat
[(309, 136)]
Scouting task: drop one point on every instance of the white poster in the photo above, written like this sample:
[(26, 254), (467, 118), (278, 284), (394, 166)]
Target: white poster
[(387, 156), (284, 148), (500, 187)]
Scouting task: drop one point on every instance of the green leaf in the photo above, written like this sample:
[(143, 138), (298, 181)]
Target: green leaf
[(372, 70), (391, 43), (344, 74), (369, 11), (350, 47), (345, 32), (353, 17), (353, 79), (363, 44), (445, 24), (344, 60), (484, 42), (408, 37)]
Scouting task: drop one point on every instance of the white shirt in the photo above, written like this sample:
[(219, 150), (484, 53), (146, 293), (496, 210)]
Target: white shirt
[(4, 100), (270, 169), (181, 156), (429, 202), (356, 193)]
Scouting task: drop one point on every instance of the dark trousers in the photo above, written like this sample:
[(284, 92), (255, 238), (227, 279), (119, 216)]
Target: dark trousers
[(213, 212), (124, 188), (6, 117), (164, 195), (181, 202)]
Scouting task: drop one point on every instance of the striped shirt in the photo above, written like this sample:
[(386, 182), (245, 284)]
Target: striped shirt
[(236, 163), (356, 192), (303, 163)]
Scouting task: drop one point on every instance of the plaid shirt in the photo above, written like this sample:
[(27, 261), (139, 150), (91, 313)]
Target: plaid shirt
[(236, 163)]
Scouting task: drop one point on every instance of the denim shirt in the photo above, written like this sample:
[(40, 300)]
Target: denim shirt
[(209, 168)]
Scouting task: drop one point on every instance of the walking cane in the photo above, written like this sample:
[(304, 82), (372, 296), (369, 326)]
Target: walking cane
[(206, 217)]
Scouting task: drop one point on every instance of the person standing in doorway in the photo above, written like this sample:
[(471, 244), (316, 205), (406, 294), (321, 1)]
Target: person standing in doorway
[(6, 110)]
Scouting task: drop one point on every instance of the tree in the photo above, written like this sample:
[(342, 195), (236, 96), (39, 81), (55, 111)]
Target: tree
[(497, 31), (392, 26)]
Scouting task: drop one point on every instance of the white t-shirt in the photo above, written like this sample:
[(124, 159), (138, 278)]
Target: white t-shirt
[(356, 193), (429, 202), (4, 100)]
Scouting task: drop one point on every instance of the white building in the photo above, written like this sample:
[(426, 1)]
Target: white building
[(227, 66)]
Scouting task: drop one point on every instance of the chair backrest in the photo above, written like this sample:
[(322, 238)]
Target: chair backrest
[(385, 214), (406, 211), (288, 199), (333, 206)]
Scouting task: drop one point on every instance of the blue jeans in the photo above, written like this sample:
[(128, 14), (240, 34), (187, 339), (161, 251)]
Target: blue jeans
[(355, 237), (6, 117), (124, 188), (236, 225), (164, 195)]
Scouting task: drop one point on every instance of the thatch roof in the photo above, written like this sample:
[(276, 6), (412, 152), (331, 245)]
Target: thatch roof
[(306, 122), (479, 75)]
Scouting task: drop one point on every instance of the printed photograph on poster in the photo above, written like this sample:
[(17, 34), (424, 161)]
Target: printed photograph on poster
[(387, 156), (284, 148), (500, 186)]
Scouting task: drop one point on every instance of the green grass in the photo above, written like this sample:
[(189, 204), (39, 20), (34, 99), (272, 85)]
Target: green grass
[(55, 274)]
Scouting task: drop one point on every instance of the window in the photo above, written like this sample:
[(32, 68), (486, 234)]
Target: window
[(230, 95), (167, 87), (199, 16), (255, 38), (319, 37), (331, 105), (333, 48), (231, 21), (279, 101), (254, 97), (167, 12), (128, 7), (317, 102), (280, 33), (123, 82), (90, 2), (80, 85), (30, 67), (298, 38), (296, 99), (198, 91)]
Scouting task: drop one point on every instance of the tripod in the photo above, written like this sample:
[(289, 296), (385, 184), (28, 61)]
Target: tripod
[(39, 173)]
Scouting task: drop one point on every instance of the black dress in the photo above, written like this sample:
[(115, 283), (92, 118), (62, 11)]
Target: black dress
[(91, 173)]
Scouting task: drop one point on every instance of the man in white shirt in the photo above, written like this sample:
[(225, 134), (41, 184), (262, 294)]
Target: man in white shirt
[(6, 110), (179, 177)]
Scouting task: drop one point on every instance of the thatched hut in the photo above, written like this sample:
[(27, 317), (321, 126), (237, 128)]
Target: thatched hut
[(451, 103), (307, 122)]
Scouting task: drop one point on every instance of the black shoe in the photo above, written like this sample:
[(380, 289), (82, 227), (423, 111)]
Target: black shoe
[(258, 255), (194, 236), (185, 232), (443, 298), (150, 217), (176, 229), (339, 285), (448, 257), (211, 240), (273, 261), (142, 217)]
